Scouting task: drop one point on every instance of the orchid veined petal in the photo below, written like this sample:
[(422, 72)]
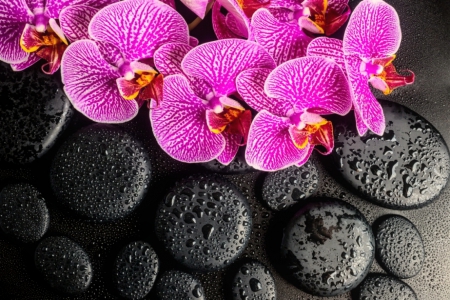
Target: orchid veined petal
[(220, 62), (198, 7), (147, 24), (54, 7), (168, 58), (373, 30), (310, 82), (74, 21), (110, 53), (232, 142), (241, 20), (219, 24), (328, 48), (36, 5), (270, 147), (90, 83), (179, 124), (360, 125), (32, 59), (235, 26)]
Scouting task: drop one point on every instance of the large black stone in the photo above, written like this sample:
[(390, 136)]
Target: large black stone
[(237, 166), (174, 285), (253, 281), (384, 287)]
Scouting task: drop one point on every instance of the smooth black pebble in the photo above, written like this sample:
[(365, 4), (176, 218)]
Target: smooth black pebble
[(384, 287), (399, 246), (285, 188), (237, 166), (405, 168), (204, 222), (253, 281), (63, 264), (23, 212), (174, 285), (328, 247), (34, 111), (101, 173), (135, 270)]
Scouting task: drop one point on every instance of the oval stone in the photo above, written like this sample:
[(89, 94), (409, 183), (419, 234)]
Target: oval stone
[(253, 281), (237, 166), (384, 287), (174, 285)]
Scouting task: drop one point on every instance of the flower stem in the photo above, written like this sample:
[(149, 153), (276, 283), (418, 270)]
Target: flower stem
[(197, 20)]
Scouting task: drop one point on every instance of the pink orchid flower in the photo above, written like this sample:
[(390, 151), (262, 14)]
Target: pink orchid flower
[(197, 120), (372, 38), (31, 32), (291, 101)]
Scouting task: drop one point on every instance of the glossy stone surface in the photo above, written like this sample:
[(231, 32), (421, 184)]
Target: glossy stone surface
[(253, 281), (399, 246), (135, 270), (174, 285), (63, 264), (328, 247), (384, 287), (287, 187), (34, 111), (204, 222), (405, 168), (23, 212), (101, 173), (237, 166)]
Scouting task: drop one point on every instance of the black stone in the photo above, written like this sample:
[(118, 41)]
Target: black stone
[(253, 281), (399, 246), (204, 222), (23, 212), (328, 247), (135, 270), (405, 168), (384, 287), (101, 173), (174, 285), (63, 264), (237, 166), (34, 111), (290, 186)]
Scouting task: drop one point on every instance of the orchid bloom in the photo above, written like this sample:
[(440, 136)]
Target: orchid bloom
[(372, 38), (30, 29), (290, 101), (197, 120), (108, 77)]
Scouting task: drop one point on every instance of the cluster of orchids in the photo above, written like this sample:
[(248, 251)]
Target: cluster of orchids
[(267, 82)]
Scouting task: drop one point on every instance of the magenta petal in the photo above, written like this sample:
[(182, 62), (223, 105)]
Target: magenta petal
[(373, 30), (328, 48), (74, 21), (269, 146), (146, 24), (360, 125), (311, 82), (198, 7), (90, 83), (241, 20), (31, 60), (235, 26), (220, 62), (283, 40), (169, 56), (36, 4), (231, 148), (179, 124), (219, 24), (54, 7), (110, 53), (193, 41)]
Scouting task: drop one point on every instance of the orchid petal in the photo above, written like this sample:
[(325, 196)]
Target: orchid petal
[(284, 41), (171, 3), (193, 41), (269, 146), (168, 58), (220, 62), (75, 20), (360, 125), (31, 39), (311, 82), (110, 53), (337, 14), (232, 142), (235, 26), (31, 60), (90, 84), (215, 122), (54, 7), (242, 21), (179, 124), (198, 7), (328, 48), (373, 30), (36, 5), (57, 30), (127, 89), (219, 24), (146, 24)]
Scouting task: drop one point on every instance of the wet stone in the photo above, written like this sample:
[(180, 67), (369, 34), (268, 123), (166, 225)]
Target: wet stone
[(253, 281), (179, 285), (290, 186), (23, 212), (237, 166), (399, 246), (384, 287), (135, 270), (405, 168), (101, 173), (34, 111), (328, 247), (204, 222), (63, 264)]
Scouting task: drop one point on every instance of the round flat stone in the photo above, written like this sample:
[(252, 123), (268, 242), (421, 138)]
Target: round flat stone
[(63, 264), (135, 270), (23, 213), (285, 188), (253, 281), (384, 287), (101, 173), (328, 247), (405, 168), (399, 246), (179, 285), (204, 222), (33, 113), (237, 166)]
